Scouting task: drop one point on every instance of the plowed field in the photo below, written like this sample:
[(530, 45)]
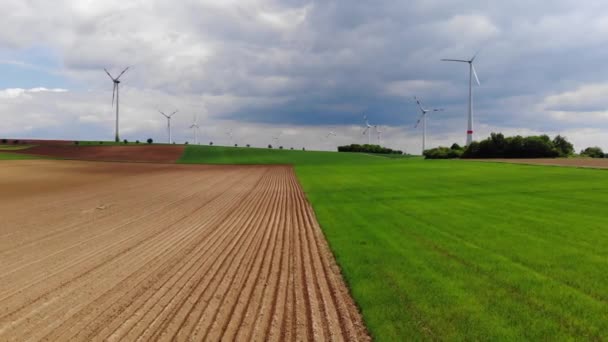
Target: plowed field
[(93, 251), (141, 153)]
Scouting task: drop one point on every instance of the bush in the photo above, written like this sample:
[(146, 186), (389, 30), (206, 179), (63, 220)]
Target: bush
[(303, 149), (291, 148), (150, 140), (15, 142), (101, 143), (563, 146), (236, 145), (186, 143), (4, 141), (125, 141), (443, 152), (211, 143), (366, 148), (497, 146), (76, 142), (593, 152), (137, 141), (248, 145), (269, 146), (280, 147)]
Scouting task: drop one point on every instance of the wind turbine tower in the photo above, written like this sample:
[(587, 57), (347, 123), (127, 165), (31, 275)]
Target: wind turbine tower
[(472, 73), (423, 120), (168, 123), (379, 134), (115, 92)]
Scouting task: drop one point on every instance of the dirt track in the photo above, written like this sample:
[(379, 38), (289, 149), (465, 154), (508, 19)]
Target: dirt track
[(577, 162), (137, 153), (122, 251)]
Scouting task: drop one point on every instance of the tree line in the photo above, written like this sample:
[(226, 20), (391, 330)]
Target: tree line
[(367, 148), (499, 146)]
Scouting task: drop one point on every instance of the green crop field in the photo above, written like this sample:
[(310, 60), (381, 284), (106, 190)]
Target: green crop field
[(15, 156), (458, 250)]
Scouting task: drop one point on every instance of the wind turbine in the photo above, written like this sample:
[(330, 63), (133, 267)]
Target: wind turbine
[(116, 81), (472, 73), (195, 128), (367, 130), (229, 133), (423, 119), (276, 138), (168, 122), (331, 133), (379, 134)]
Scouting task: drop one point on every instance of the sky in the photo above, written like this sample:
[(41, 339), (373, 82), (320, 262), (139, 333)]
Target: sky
[(298, 69)]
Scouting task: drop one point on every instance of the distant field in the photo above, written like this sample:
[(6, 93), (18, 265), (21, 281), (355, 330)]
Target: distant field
[(14, 156), (245, 155), (13, 147), (458, 250)]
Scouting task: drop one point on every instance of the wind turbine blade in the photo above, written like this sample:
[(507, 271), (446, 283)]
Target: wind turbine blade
[(173, 113), (454, 60), (475, 74), (163, 114), (127, 68), (418, 122), (438, 110), (419, 104), (104, 69)]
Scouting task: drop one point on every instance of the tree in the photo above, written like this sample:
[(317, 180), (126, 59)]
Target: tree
[(455, 146), (248, 145), (563, 146), (593, 152), (186, 143), (4, 141), (150, 140), (137, 141), (269, 146), (236, 145), (125, 141), (280, 147), (211, 143)]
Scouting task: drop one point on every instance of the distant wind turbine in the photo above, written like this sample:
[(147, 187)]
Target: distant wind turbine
[(229, 133), (367, 130), (115, 92), (276, 138), (195, 127), (423, 120), (168, 123), (472, 73), (379, 134)]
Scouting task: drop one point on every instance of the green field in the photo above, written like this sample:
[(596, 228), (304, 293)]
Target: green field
[(458, 250), (15, 156)]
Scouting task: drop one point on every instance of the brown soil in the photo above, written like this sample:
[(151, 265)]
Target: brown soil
[(576, 162), (143, 153), (120, 251)]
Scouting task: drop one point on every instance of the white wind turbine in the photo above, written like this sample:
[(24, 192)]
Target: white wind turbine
[(423, 120), (367, 130), (115, 92), (472, 73), (229, 133), (168, 122), (195, 127), (331, 133), (379, 134), (276, 139)]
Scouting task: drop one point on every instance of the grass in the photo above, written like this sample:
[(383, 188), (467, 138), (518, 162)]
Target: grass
[(8, 147), (15, 156), (251, 155), (458, 250)]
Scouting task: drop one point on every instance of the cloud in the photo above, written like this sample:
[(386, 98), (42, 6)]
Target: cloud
[(302, 66)]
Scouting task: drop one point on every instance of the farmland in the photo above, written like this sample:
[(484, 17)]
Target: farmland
[(120, 251), (443, 249), (461, 250)]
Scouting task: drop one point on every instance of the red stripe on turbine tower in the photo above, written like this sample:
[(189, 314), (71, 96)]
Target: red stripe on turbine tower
[(469, 132)]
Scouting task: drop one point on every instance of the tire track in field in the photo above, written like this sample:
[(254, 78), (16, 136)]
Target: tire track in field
[(192, 253)]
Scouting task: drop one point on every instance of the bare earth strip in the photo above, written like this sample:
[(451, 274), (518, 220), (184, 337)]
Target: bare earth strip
[(119, 251), (575, 162)]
